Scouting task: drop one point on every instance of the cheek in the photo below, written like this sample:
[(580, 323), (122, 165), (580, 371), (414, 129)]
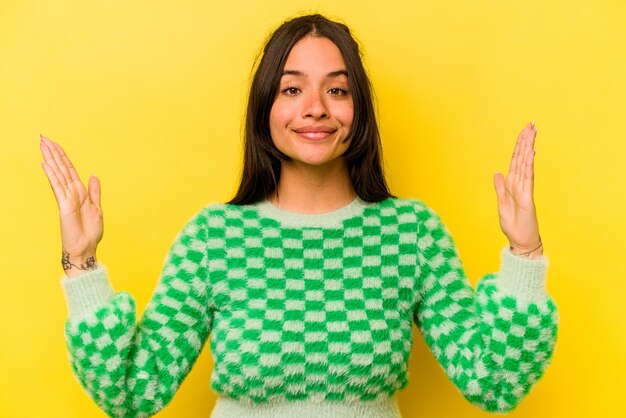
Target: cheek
[(345, 114), (280, 115)]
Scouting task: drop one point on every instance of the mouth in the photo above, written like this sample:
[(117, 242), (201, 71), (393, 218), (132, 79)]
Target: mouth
[(313, 133), (314, 136)]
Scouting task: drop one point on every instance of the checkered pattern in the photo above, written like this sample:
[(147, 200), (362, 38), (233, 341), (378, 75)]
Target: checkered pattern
[(134, 371), (493, 346), (318, 313)]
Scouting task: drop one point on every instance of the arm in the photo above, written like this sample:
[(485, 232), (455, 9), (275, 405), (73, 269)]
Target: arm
[(129, 369), (133, 369), (493, 343)]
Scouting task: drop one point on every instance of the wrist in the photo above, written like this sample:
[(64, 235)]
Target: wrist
[(522, 277), (527, 251), (74, 264)]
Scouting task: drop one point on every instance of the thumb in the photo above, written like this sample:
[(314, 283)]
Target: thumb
[(498, 182), (94, 192)]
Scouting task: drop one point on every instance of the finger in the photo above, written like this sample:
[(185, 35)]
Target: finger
[(498, 183), (519, 175), (94, 192), (70, 167), (513, 164), (521, 152), (58, 155), (55, 161), (51, 161), (55, 184), (529, 172), (517, 153), (529, 144), (520, 179), (63, 170), (47, 154)]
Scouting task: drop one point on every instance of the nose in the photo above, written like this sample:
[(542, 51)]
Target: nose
[(315, 106)]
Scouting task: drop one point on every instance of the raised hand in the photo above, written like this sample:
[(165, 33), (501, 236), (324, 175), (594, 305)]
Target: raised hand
[(516, 207), (80, 211)]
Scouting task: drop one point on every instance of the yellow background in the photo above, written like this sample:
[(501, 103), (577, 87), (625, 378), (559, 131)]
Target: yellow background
[(150, 96)]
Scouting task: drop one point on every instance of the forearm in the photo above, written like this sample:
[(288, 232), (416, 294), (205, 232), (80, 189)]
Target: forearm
[(493, 343), (133, 368)]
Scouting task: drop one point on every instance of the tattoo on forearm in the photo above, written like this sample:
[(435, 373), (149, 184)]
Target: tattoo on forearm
[(90, 263)]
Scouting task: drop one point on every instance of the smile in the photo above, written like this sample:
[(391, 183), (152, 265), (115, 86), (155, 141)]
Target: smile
[(314, 136)]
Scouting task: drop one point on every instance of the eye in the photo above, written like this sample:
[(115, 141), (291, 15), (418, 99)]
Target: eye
[(337, 91), (290, 90)]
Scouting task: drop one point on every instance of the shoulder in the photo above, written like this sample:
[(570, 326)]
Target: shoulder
[(218, 209), (218, 214), (209, 210), (422, 211)]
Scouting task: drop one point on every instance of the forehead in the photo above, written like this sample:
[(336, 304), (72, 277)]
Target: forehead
[(314, 55)]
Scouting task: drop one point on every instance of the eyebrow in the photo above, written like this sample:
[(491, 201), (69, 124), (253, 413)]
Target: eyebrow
[(329, 75)]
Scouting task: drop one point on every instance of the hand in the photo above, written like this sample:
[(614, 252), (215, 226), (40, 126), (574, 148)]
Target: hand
[(80, 211), (516, 208)]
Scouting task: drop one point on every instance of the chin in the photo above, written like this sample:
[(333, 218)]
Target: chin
[(316, 161)]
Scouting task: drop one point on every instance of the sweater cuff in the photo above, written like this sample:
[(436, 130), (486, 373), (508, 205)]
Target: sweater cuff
[(86, 292), (522, 277)]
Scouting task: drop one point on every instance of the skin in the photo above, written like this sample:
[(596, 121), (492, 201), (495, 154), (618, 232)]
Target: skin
[(516, 206), (315, 181), (80, 210)]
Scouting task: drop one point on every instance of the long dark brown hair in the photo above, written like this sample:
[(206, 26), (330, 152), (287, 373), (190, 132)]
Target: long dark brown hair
[(261, 164)]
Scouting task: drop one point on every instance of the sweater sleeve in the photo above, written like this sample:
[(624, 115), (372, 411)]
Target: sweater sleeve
[(493, 343), (133, 369)]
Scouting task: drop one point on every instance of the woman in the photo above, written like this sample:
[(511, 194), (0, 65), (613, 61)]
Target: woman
[(309, 278)]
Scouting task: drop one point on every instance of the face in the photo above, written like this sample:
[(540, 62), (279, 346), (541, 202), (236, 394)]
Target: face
[(313, 109)]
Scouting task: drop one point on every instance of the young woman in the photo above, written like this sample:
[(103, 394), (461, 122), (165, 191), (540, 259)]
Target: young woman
[(309, 279)]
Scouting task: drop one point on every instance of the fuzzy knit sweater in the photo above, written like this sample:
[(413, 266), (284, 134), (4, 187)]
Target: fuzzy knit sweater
[(310, 315)]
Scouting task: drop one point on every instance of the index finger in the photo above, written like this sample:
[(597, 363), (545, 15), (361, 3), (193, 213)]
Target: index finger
[(68, 163), (63, 163), (515, 158)]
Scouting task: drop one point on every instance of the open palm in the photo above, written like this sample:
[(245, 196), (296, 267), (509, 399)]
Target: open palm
[(80, 211), (516, 207)]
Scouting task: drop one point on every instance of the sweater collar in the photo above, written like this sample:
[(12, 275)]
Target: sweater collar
[(325, 219)]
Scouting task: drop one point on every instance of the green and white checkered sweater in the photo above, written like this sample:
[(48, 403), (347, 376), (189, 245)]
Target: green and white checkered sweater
[(311, 315)]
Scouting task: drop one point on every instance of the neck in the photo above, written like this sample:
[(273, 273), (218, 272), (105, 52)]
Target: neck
[(313, 189)]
